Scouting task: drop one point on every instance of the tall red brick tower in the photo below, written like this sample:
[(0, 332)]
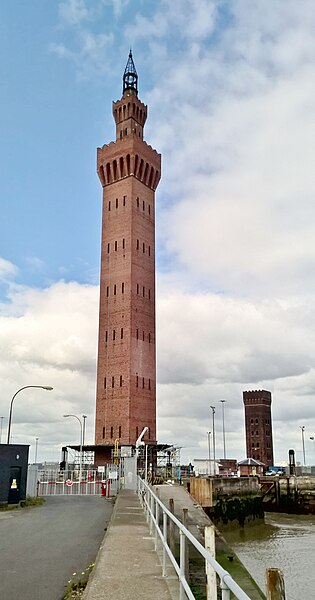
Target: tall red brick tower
[(129, 171), (258, 426)]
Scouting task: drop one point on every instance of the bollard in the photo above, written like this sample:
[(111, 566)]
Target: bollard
[(171, 528), (275, 584), (211, 574)]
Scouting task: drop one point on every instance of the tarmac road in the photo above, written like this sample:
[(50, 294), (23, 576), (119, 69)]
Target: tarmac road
[(40, 547)]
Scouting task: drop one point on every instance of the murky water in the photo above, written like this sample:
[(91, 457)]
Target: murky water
[(286, 542)]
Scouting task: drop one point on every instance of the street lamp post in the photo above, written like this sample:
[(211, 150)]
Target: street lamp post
[(209, 450), (313, 440), (302, 427), (36, 447), (80, 457), (42, 387), (84, 417), (213, 435), (223, 428), (1, 425)]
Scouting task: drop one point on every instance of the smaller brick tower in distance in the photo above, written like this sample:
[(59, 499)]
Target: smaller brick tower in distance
[(129, 171), (258, 426)]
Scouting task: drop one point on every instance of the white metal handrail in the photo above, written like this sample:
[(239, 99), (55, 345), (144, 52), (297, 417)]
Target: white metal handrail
[(153, 506)]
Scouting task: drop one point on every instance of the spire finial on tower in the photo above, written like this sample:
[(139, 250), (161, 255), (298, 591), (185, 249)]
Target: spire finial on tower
[(130, 78)]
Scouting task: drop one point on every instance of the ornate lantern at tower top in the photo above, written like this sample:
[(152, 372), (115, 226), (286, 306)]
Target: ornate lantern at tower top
[(130, 78)]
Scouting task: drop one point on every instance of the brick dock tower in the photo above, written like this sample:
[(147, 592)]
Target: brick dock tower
[(258, 426), (129, 171)]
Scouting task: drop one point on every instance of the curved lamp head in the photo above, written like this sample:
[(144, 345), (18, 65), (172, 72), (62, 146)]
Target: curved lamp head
[(47, 387)]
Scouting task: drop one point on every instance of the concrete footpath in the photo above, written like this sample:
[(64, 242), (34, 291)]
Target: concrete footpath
[(127, 566)]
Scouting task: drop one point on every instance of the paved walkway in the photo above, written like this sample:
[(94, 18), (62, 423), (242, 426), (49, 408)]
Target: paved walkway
[(127, 566)]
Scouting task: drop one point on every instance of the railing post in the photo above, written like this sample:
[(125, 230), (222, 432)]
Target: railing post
[(185, 523), (164, 542), (182, 543), (151, 513), (157, 518), (275, 584), (225, 592), (211, 574)]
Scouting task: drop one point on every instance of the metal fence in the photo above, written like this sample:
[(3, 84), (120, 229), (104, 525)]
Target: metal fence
[(159, 518)]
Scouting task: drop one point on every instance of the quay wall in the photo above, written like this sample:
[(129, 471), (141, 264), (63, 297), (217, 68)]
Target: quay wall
[(228, 501)]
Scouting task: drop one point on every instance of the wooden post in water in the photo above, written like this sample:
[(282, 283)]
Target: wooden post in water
[(211, 574), (185, 523), (275, 584), (171, 528)]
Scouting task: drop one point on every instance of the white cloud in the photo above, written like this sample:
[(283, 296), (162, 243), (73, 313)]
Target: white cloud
[(49, 338), (73, 12), (7, 269)]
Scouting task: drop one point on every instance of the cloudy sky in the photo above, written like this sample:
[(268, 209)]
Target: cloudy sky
[(230, 90)]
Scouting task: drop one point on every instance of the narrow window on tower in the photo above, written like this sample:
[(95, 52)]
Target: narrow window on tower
[(149, 294), (143, 247), (109, 205), (137, 381), (149, 338), (115, 287), (143, 291), (106, 336), (137, 202), (119, 431), (114, 334), (121, 333), (149, 251), (103, 432), (115, 246), (149, 433), (107, 291), (142, 382), (143, 205), (122, 288), (113, 381), (104, 383), (137, 288), (123, 243), (137, 432), (111, 432), (149, 209), (143, 336), (137, 334), (108, 248), (120, 381), (116, 202), (149, 383), (137, 244), (124, 200)]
